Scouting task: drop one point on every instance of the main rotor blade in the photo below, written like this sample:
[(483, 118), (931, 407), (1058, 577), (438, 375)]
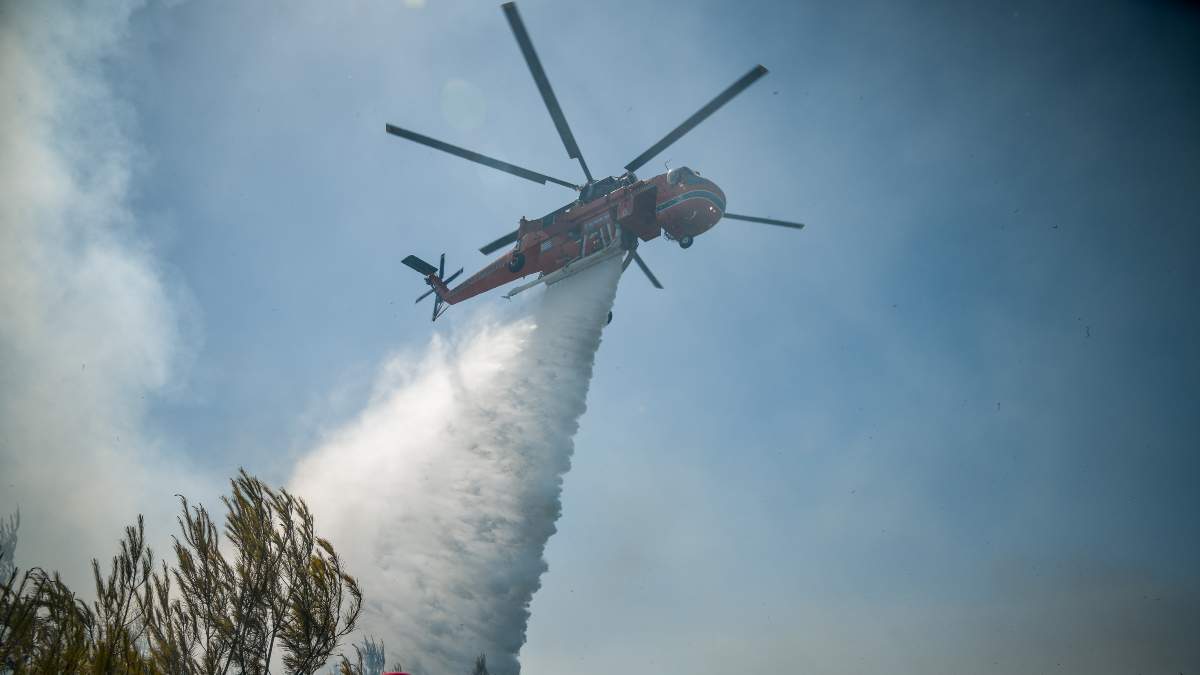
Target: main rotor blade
[(543, 84), (649, 275), (499, 243), (476, 157), (721, 99), (768, 221)]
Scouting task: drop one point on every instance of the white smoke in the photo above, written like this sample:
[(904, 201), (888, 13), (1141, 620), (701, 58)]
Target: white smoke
[(87, 327), (443, 493)]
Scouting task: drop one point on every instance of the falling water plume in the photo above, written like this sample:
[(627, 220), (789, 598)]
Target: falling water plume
[(443, 492)]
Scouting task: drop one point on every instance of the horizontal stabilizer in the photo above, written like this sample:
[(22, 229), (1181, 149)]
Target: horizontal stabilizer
[(422, 267)]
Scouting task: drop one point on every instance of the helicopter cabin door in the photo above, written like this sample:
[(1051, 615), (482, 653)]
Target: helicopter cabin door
[(642, 218)]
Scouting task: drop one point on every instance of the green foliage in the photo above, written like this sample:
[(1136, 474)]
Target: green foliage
[(116, 621), (43, 627), (283, 588)]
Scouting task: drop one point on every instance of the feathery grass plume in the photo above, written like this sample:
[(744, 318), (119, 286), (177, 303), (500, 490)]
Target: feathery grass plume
[(283, 588), (8, 545), (370, 659)]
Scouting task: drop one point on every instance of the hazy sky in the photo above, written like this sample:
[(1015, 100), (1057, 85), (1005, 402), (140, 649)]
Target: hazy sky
[(949, 427)]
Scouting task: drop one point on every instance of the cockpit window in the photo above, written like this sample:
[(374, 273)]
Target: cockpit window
[(684, 175)]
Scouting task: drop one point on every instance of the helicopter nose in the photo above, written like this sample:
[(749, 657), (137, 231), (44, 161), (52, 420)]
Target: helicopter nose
[(719, 209), (713, 201), (707, 205), (694, 205)]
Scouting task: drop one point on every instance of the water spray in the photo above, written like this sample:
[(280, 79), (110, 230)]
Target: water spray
[(443, 492)]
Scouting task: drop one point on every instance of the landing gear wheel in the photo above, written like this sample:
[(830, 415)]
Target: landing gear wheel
[(685, 242), (516, 262)]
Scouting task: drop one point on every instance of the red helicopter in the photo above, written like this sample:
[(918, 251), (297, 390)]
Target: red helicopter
[(608, 219)]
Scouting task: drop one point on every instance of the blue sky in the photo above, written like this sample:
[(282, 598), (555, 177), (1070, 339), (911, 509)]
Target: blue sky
[(951, 426)]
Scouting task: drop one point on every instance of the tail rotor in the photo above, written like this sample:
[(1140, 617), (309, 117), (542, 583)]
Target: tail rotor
[(430, 273)]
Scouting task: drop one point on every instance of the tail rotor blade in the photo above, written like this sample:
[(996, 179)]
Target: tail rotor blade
[(442, 266), (766, 221), (452, 277), (642, 264), (702, 114), (423, 296)]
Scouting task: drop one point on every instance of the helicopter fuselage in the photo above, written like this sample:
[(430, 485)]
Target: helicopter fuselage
[(611, 215), (679, 204)]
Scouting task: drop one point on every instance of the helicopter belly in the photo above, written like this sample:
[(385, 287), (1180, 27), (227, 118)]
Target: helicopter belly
[(571, 268)]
